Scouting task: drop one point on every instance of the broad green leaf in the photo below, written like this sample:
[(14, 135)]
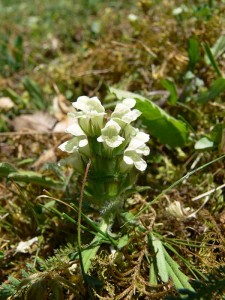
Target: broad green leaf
[(6, 169), (167, 129), (214, 91), (160, 258), (90, 252), (212, 59), (170, 86), (193, 52), (33, 177), (180, 280), (204, 143)]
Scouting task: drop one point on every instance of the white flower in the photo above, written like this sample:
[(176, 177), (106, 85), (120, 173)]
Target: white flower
[(135, 150), (132, 158), (72, 145), (79, 141), (138, 143), (91, 114), (78, 132), (110, 135), (124, 113)]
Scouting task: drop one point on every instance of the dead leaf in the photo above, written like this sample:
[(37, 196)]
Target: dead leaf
[(61, 107), (24, 247), (39, 121), (6, 104), (62, 125)]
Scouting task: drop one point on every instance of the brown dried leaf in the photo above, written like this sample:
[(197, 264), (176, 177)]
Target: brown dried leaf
[(39, 121), (62, 125), (48, 156), (61, 107)]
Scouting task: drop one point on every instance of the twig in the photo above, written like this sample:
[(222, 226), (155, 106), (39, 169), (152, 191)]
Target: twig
[(208, 193)]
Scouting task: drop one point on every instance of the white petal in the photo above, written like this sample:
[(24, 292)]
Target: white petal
[(128, 160), (129, 102), (138, 141), (75, 130), (114, 142), (123, 112), (120, 109), (131, 116), (89, 105), (83, 143), (143, 150), (113, 125), (142, 136), (63, 146), (81, 102), (141, 165), (100, 139)]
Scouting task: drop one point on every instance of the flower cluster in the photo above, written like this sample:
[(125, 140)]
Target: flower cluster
[(113, 145)]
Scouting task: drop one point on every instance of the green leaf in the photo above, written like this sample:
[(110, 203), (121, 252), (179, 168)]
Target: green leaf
[(33, 177), (212, 140), (214, 91), (167, 129), (123, 241), (1, 255), (212, 59), (218, 48), (6, 169), (160, 258), (14, 281), (170, 86), (204, 143), (54, 167), (180, 280), (35, 92), (153, 272), (6, 290), (90, 252), (193, 52), (217, 134)]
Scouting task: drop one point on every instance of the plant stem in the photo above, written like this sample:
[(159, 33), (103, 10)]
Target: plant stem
[(79, 218)]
